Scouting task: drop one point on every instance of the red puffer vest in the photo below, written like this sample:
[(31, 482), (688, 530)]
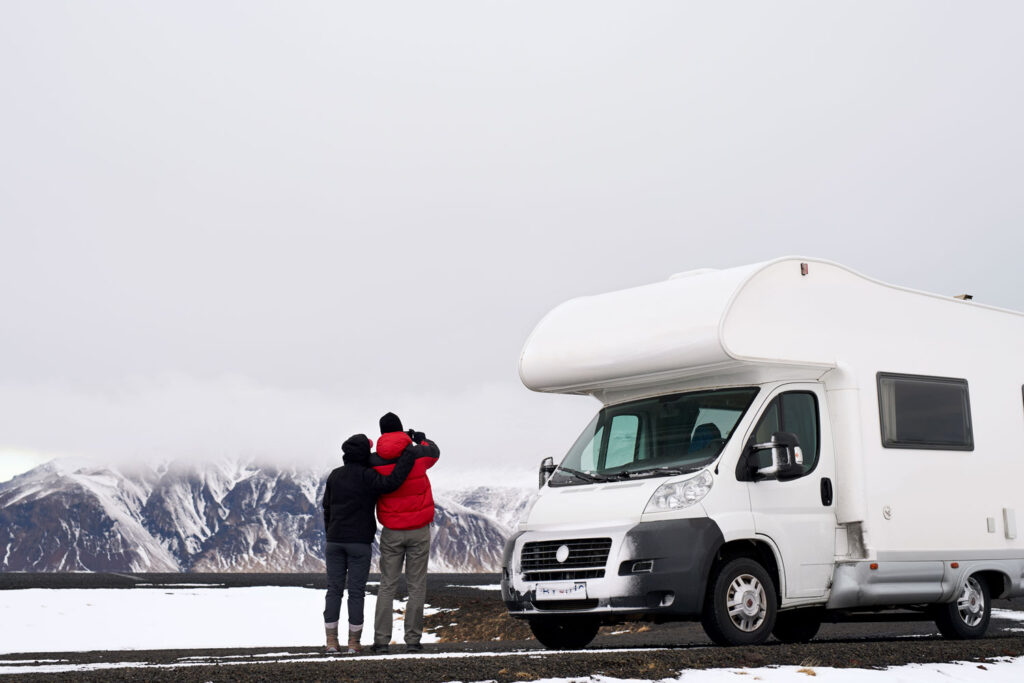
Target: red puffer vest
[(411, 506)]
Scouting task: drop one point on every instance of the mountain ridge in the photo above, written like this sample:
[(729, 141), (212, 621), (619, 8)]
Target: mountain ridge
[(229, 515)]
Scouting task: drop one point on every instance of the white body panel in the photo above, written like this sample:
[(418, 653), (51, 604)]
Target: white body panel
[(790, 513), (832, 330)]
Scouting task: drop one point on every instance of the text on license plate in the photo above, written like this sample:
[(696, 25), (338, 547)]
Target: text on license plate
[(562, 591)]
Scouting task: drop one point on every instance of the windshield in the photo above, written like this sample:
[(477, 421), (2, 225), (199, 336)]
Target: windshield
[(654, 436)]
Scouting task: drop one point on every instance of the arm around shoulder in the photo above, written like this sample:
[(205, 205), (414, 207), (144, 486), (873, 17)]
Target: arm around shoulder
[(382, 483), (425, 449), (429, 451)]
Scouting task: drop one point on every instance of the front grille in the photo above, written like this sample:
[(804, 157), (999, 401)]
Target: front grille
[(586, 560), (565, 575)]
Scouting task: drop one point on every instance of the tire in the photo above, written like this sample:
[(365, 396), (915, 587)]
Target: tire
[(741, 606), (565, 633), (968, 616), (798, 625)]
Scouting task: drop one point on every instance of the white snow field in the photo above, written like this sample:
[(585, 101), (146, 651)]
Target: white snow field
[(81, 619), (54, 620)]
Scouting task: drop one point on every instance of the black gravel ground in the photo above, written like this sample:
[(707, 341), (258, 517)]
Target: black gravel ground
[(645, 652)]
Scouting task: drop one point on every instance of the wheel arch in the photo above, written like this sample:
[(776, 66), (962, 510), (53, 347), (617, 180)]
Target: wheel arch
[(758, 549), (997, 581)]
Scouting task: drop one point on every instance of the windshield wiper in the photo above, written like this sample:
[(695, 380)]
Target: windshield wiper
[(663, 470), (585, 476)]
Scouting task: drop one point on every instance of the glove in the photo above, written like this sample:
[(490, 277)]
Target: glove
[(411, 433), (418, 437)]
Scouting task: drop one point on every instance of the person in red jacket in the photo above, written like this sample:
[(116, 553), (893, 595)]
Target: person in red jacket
[(405, 515)]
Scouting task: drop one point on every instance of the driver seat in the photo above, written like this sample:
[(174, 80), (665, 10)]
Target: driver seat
[(703, 435)]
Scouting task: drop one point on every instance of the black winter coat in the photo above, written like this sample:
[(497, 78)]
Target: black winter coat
[(352, 490)]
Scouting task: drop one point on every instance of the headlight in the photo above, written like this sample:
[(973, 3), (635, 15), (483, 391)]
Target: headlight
[(677, 495)]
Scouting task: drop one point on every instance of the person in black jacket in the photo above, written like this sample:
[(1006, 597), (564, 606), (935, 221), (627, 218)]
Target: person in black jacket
[(349, 501)]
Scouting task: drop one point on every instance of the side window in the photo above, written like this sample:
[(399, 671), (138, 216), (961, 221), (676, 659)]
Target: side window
[(924, 412), (622, 437), (800, 416), (770, 422), (796, 412)]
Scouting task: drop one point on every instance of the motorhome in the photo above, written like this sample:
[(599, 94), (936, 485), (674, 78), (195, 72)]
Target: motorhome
[(779, 444)]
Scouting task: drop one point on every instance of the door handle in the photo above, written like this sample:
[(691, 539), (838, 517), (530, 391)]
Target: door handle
[(826, 491)]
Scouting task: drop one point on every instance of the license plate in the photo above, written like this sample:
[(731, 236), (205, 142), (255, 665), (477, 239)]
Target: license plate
[(562, 591)]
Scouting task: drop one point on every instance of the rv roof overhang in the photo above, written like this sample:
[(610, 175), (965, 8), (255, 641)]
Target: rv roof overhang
[(750, 324), (671, 332)]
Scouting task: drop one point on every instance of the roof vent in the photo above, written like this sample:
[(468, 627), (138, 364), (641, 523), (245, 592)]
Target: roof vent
[(964, 297)]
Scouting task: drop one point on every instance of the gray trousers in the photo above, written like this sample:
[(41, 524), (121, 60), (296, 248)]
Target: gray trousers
[(413, 548), (348, 565)]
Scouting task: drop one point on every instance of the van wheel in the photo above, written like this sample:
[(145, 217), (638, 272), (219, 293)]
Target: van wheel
[(969, 615), (798, 625), (564, 633), (740, 607)]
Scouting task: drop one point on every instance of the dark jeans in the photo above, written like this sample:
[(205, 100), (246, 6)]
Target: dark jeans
[(353, 560)]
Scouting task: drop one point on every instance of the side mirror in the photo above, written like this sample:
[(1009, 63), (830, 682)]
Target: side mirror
[(547, 468), (787, 457)]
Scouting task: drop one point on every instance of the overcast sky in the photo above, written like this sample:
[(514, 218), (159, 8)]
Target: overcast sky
[(253, 227)]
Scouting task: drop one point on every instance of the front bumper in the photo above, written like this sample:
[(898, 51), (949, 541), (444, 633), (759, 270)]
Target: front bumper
[(654, 569)]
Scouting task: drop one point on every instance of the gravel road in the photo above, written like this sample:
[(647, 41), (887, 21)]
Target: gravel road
[(469, 651)]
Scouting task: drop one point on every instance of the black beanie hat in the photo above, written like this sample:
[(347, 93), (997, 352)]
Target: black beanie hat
[(390, 423), (357, 449)]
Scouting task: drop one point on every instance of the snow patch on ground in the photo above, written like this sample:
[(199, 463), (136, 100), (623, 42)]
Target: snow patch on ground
[(1005, 671), (485, 587), (81, 619), (1008, 614)]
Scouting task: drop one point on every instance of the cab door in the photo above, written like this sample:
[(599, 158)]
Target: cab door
[(798, 514)]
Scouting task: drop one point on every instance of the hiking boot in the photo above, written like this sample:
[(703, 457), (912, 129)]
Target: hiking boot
[(333, 645), (354, 648), (413, 647), (380, 649)]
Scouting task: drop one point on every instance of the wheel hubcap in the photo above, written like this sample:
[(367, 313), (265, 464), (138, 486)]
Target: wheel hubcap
[(971, 603), (746, 603)]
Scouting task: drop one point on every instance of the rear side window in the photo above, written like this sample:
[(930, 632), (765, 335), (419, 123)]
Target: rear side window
[(925, 412)]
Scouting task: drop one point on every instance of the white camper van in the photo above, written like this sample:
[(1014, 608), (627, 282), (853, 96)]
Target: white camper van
[(779, 444)]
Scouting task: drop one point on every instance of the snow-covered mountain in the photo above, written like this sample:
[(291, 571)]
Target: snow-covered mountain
[(505, 504), (226, 516)]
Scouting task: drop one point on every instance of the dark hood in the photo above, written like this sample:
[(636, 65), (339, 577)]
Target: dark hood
[(356, 449)]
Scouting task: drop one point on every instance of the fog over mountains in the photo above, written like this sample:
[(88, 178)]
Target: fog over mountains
[(224, 516)]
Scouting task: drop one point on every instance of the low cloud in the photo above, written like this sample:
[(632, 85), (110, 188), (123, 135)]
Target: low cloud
[(489, 433)]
